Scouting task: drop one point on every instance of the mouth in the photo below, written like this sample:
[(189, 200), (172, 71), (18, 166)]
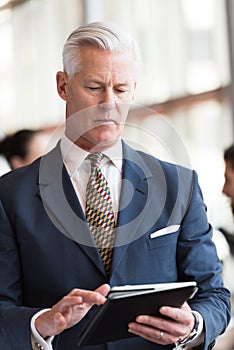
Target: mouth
[(105, 121)]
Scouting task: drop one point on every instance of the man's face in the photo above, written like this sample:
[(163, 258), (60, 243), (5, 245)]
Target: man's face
[(98, 97), (228, 187)]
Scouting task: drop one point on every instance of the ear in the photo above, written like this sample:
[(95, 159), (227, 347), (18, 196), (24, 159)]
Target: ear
[(61, 79), (16, 162)]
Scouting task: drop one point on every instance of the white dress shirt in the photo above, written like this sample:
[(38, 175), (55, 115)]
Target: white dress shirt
[(78, 168)]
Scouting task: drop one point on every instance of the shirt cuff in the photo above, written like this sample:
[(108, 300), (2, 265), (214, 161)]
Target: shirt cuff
[(39, 343), (197, 339)]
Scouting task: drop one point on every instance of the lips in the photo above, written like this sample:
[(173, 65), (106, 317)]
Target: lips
[(105, 121)]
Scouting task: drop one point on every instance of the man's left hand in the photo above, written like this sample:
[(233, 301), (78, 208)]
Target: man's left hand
[(177, 325)]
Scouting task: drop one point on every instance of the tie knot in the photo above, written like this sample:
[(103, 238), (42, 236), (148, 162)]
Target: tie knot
[(95, 159)]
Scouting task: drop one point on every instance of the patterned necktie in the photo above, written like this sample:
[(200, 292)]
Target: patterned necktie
[(99, 211)]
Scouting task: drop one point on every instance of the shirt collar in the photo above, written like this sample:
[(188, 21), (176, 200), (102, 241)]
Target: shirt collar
[(73, 156)]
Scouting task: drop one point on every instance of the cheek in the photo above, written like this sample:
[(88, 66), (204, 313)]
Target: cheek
[(79, 99), (231, 190)]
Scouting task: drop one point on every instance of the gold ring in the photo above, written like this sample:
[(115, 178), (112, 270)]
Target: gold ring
[(160, 336)]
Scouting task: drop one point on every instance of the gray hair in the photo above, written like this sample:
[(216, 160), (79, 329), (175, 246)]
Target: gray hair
[(105, 36)]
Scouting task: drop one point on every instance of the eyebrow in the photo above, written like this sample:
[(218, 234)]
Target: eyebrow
[(96, 81)]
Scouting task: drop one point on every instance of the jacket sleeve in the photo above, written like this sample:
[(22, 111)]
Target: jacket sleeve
[(14, 319), (197, 260)]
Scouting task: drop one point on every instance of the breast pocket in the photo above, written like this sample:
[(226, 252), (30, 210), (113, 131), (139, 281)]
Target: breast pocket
[(162, 241)]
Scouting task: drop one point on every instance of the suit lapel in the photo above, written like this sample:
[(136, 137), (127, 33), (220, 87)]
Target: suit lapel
[(62, 206), (64, 210), (134, 202)]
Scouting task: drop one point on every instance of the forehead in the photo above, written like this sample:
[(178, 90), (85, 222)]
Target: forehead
[(95, 60)]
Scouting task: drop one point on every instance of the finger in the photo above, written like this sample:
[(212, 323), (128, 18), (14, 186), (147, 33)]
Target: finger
[(59, 319), (152, 334), (169, 326), (103, 289), (66, 305), (87, 296), (174, 312), (155, 323), (71, 300), (183, 318)]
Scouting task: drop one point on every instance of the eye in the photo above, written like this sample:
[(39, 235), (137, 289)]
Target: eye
[(94, 88), (121, 90)]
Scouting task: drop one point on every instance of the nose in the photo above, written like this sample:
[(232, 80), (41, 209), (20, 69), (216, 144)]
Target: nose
[(108, 100), (225, 189)]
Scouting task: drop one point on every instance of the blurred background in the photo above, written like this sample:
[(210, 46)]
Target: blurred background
[(184, 105)]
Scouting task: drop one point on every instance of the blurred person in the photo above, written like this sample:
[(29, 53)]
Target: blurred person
[(226, 340), (23, 147), (228, 190), (53, 268)]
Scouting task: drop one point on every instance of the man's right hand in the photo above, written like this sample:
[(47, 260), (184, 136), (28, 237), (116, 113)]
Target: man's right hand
[(69, 310)]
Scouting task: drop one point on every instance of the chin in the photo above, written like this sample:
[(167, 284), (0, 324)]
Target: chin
[(104, 135), (100, 138), (105, 143)]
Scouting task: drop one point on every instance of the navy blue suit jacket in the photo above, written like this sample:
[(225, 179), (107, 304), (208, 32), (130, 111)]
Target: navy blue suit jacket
[(46, 248)]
